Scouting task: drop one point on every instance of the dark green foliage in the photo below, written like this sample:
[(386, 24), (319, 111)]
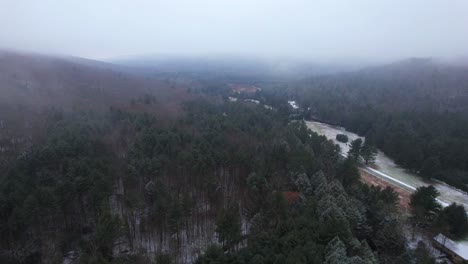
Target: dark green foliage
[(228, 226), (382, 229), (430, 168), (354, 152), (86, 258), (212, 255), (388, 196), (455, 218), (342, 138), (98, 248), (347, 172), (451, 220), (293, 240), (256, 182), (388, 237), (368, 152), (175, 216), (173, 171), (423, 200), (324, 228), (422, 254), (164, 259), (415, 113), (129, 259), (60, 185), (107, 230)]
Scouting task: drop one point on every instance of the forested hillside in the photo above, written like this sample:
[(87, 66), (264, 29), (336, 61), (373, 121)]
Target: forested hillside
[(416, 111), (123, 188), (233, 132), (171, 171), (33, 87)]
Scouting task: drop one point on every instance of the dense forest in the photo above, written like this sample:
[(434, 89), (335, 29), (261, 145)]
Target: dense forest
[(227, 163), (178, 172), (218, 161), (415, 111)]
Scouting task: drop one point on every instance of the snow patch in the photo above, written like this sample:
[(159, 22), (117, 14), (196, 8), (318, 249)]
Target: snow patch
[(293, 104), (252, 101)]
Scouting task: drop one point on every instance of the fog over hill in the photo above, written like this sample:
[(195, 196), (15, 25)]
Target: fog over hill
[(32, 86), (70, 81), (175, 131), (148, 159), (323, 30), (236, 65)]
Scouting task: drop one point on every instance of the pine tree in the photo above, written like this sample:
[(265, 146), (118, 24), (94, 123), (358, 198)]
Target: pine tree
[(368, 153), (423, 200), (228, 226), (355, 149), (336, 252)]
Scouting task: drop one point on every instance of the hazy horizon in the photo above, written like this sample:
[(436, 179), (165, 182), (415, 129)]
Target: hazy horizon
[(322, 30)]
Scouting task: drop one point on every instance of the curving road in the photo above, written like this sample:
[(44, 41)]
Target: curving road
[(386, 169)]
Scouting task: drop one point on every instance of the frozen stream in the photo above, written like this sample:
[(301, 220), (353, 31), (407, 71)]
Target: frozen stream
[(386, 169)]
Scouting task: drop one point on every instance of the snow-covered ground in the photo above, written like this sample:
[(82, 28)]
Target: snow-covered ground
[(293, 104), (389, 171), (252, 101)]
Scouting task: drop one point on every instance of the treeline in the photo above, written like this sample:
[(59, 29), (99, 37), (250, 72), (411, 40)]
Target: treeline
[(414, 111), (124, 176), (103, 180)]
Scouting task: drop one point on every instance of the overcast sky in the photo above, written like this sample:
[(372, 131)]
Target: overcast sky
[(312, 29)]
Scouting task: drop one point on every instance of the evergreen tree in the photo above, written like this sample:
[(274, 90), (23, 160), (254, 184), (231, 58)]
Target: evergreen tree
[(355, 149), (454, 216), (347, 172), (228, 226), (430, 168), (422, 254), (336, 252), (368, 153), (175, 216), (342, 138), (424, 200)]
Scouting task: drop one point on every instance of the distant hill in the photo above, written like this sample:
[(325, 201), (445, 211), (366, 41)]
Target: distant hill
[(32, 80), (32, 85), (413, 84), (232, 66)]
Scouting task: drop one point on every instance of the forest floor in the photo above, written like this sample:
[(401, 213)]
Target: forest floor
[(403, 194)]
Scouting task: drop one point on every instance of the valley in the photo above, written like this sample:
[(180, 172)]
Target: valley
[(189, 168), (233, 132)]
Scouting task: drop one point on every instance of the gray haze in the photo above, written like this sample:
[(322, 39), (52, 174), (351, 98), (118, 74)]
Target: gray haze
[(306, 29)]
